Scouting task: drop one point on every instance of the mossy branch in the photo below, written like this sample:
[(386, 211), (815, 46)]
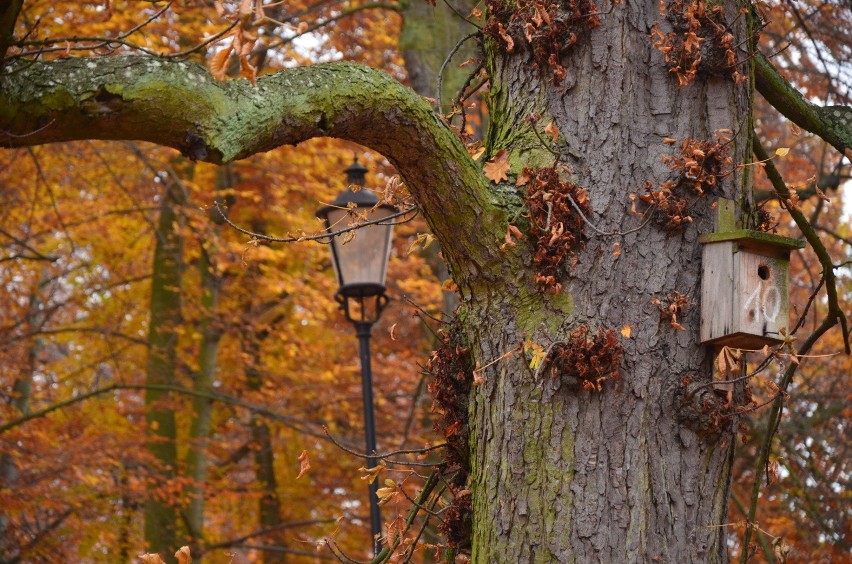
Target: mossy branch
[(831, 123), (180, 105), (834, 316)]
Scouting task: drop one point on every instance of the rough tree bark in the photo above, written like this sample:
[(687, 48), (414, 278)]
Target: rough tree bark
[(559, 474)]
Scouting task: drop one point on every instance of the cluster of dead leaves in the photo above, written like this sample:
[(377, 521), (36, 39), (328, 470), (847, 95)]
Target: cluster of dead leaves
[(451, 367), (699, 166), (671, 306), (593, 358), (249, 14), (546, 28), (556, 228), (694, 22)]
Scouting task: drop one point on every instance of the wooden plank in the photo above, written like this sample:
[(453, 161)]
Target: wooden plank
[(717, 290)]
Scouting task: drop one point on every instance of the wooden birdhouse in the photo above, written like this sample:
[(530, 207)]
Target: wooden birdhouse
[(744, 299)]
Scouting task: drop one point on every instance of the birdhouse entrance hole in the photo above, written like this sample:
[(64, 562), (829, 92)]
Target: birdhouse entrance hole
[(764, 272)]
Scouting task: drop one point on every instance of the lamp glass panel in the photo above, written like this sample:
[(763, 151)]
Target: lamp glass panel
[(364, 259)]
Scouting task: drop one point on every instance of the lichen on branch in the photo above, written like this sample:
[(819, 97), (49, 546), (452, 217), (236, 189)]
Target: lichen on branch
[(180, 105)]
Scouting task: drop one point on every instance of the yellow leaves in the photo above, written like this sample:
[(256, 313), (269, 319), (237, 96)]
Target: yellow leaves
[(387, 493), (370, 474), (304, 464), (496, 167), (424, 239), (449, 286), (782, 151), (536, 353), (476, 150), (627, 330)]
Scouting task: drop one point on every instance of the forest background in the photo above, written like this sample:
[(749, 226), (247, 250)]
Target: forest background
[(262, 365)]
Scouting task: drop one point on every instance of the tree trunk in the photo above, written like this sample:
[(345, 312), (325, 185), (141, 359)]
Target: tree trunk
[(210, 328), (559, 473), (269, 504), (20, 400), (160, 510)]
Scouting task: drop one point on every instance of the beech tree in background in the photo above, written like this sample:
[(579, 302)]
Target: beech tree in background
[(589, 432)]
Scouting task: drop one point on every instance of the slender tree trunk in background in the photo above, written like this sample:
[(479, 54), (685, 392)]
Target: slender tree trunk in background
[(128, 512), (269, 504), (561, 474), (429, 34), (197, 460), (161, 511), (20, 400)]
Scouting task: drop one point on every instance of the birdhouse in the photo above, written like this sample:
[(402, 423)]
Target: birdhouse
[(744, 300)]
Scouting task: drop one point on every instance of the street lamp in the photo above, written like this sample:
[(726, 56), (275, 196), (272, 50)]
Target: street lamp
[(360, 264)]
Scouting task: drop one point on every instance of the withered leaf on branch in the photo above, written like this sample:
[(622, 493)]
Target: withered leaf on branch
[(496, 167)]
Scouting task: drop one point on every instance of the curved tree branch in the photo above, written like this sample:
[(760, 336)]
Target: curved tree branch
[(831, 123), (180, 105)]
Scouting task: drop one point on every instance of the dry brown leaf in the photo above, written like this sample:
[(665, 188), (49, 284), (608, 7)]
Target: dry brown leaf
[(183, 555), (616, 249), (496, 167), (626, 331), (510, 43), (781, 549), (248, 70), (305, 464), (822, 195), (774, 472), (151, 558), (552, 130), (219, 63)]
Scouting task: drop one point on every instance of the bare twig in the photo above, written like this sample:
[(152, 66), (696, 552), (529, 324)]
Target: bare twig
[(322, 237)]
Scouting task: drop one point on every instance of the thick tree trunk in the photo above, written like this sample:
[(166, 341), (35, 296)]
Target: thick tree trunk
[(561, 474)]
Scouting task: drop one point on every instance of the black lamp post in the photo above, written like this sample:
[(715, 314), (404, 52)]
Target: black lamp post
[(361, 265)]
